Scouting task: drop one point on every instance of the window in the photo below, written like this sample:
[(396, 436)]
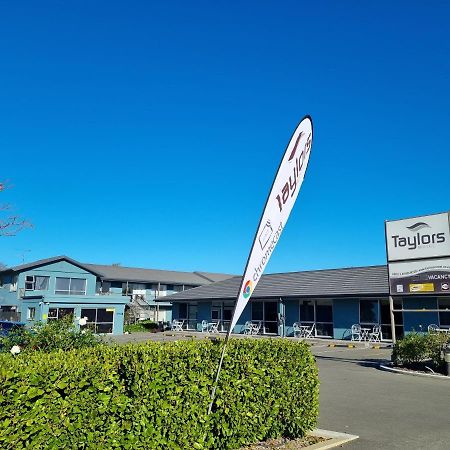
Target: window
[(444, 313), (368, 311), (9, 313), (31, 313), (216, 311), (385, 318), (59, 313), (103, 287), (377, 312), (36, 283), (182, 311), (222, 311), (266, 312), (307, 311), (99, 320), (257, 310), (188, 313), (192, 315), (320, 313), (29, 283), (128, 288), (70, 286), (13, 286)]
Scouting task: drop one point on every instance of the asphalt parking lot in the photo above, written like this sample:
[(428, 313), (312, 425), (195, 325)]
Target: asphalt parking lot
[(387, 410)]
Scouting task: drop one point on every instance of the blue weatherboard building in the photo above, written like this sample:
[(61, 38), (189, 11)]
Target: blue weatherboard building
[(51, 288), (333, 300)]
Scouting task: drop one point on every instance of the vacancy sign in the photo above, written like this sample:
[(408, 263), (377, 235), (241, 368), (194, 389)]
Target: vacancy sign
[(280, 201)]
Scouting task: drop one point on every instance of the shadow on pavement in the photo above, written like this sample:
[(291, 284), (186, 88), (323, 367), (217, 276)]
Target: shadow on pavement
[(364, 362)]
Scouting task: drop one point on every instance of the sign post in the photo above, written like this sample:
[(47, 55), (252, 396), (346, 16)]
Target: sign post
[(279, 203), (391, 312)]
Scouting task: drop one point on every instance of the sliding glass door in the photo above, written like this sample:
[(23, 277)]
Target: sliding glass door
[(376, 313), (266, 313), (320, 313)]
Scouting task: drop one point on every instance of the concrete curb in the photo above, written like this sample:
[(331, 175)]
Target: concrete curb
[(335, 439), (414, 374)]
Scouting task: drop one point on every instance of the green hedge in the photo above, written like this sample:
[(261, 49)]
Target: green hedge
[(142, 326), (417, 349), (155, 396)]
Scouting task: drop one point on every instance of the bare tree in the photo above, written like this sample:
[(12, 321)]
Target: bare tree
[(10, 224)]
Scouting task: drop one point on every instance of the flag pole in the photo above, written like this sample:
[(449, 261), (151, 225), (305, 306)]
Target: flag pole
[(227, 337), (213, 392)]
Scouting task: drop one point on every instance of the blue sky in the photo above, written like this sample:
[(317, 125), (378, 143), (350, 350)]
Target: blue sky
[(148, 133)]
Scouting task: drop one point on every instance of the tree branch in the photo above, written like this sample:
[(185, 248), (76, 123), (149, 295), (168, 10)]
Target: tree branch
[(12, 225)]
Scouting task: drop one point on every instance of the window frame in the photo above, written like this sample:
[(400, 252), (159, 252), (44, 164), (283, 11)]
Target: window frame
[(443, 312), (58, 314), (69, 291), (385, 326), (33, 282), (31, 313), (266, 324), (96, 322), (314, 302)]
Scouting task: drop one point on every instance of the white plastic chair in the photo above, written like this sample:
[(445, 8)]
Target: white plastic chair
[(433, 328), (308, 331), (214, 327), (256, 327), (205, 328), (356, 332), (248, 327), (375, 335), (297, 330), (177, 325)]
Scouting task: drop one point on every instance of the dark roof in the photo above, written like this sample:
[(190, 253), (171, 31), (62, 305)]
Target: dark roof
[(348, 282), (213, 277), (137, 275), (44, 262)]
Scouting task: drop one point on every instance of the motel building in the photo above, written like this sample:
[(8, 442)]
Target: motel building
[(413, 289), (51, 288)]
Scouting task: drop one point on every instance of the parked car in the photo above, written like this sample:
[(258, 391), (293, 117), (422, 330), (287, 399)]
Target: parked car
[(6, 326)]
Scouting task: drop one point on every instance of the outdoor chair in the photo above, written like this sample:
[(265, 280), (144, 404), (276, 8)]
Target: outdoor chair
[(433, 328), (256, 327), (375, 335), (213, 327), (356, 332), (177, 325), (248, 327), (309, 332), (297, 330), (205, 326)]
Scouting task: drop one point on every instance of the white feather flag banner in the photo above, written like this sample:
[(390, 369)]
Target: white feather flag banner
[(279, 204)]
